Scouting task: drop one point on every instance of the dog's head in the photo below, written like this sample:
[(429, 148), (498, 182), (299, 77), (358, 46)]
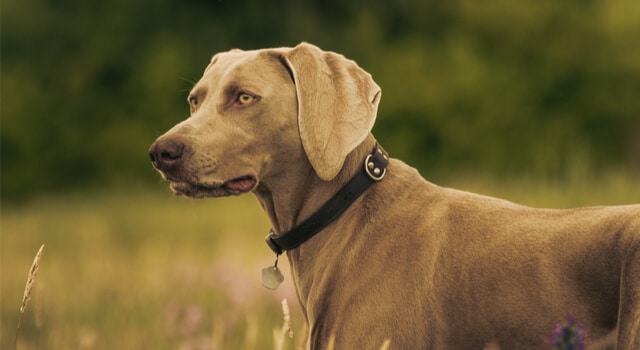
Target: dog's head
[(255, 113)]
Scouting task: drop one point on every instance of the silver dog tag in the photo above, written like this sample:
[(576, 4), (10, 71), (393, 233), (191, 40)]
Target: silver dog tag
[(271, 277)]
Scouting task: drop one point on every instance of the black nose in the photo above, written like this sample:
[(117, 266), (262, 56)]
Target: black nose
[(166, 153)]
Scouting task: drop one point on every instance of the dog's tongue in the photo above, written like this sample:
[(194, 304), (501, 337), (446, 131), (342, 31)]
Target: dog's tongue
[(241, 184)]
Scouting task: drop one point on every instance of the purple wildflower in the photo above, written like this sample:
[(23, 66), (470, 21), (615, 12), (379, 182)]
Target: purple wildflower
[(567, 335)]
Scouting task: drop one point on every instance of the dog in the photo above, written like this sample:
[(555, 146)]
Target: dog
[(402, 262)]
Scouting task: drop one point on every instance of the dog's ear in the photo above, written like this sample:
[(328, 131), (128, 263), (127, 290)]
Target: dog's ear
[(337, 105)]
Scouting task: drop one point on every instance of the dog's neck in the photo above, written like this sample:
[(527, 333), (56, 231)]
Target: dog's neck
[(290, 200)]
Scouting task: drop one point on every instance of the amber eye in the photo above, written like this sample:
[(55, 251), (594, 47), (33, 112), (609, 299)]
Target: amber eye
[(193, 101), (245, 99)]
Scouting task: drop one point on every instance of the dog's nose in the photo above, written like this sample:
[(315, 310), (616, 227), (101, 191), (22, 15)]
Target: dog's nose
[(165, 154)]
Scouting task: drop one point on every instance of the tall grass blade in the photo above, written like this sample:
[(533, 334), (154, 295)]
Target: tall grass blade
[(281, 335), (27, 290)]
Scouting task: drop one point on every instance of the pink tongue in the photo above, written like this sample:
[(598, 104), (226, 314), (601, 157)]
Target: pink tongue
[(244, 184)]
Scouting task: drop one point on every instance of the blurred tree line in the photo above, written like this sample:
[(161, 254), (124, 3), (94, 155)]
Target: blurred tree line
[(500, 87)]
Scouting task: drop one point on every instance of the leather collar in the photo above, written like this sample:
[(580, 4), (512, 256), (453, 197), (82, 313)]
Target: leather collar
[(374, 170)]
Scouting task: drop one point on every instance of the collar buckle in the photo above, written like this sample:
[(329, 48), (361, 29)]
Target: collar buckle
[(272, 243)]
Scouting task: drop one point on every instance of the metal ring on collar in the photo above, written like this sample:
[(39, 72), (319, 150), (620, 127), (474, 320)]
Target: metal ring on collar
[(374, 172)]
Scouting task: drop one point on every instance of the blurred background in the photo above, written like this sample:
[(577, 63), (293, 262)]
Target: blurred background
[(534, 101), (505, 88)]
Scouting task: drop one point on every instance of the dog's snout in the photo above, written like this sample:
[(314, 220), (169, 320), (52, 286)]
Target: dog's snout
[(164, 154)]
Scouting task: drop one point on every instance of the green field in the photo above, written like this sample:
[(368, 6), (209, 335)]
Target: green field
[(141, 269)]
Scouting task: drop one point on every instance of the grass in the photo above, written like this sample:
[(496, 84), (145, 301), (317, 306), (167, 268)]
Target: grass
[(26, 296), (141, 269)]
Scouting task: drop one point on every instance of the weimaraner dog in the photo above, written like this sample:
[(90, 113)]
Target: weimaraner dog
[(380, 256)]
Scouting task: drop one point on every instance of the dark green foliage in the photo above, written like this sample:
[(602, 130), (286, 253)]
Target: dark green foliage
[(530, 87)]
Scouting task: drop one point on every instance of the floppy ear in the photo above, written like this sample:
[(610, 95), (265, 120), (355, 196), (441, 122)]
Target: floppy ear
[(337, 105)]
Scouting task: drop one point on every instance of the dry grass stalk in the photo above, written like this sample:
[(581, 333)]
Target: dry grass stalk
[(27, 289), (30, 279), (332, 343), (280, 336), (386, 344), (287, 318)]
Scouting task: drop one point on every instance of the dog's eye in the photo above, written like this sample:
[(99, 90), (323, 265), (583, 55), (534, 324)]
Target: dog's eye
[(193, 103), (245, 99)]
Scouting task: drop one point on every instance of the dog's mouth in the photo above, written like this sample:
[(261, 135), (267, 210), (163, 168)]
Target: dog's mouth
[(241, 184), (235, 186)]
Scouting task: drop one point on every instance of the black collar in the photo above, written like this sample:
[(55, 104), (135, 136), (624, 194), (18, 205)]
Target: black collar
[(374, 170)]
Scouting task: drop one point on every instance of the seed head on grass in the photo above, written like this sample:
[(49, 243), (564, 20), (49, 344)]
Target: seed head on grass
[(27, 289), (280, 335), (30, 279)]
